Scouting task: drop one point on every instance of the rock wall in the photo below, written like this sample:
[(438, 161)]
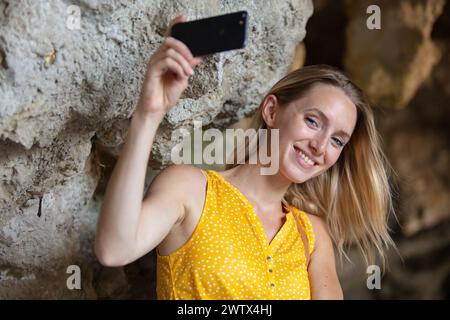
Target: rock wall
[(67, 92)]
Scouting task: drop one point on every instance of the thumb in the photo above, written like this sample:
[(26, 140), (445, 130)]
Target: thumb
[(177, 19)]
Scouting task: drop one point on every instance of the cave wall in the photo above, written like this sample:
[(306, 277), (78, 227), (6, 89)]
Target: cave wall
[(66, 97)]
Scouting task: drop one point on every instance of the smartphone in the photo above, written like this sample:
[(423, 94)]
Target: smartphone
[(213, 34)]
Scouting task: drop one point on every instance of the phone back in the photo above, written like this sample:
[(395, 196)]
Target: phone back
[(214, 34)]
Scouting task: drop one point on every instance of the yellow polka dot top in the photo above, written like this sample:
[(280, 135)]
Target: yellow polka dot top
[(229, 257)]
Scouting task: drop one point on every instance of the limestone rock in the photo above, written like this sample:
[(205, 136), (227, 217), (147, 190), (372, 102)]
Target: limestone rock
[(392, 63), (417, 143), (70, 77)]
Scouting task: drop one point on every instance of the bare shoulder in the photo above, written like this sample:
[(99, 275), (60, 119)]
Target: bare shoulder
[(320, 229), (185, 181), (189, 184), (322, 269), (176, 171), (180, 174), (316, 221)]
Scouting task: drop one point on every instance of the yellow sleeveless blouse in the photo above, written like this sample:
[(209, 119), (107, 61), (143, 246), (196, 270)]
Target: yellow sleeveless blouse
[(228, 256)]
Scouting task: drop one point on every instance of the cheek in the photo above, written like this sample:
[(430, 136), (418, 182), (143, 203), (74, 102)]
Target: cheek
[(295, 130), (332, 157)]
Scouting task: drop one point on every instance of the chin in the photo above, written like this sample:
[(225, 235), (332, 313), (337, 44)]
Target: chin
[(295, 174)]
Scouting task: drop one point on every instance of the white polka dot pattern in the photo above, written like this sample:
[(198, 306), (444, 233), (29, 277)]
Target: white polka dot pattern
[(228, 255)]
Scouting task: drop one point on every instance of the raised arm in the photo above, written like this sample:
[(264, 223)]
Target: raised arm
[(128, 227)]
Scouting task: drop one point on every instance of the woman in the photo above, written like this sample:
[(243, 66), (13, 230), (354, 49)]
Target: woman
[(238, 234)]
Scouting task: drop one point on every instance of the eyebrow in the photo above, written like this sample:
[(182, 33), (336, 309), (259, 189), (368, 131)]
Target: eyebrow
[(322, 115)]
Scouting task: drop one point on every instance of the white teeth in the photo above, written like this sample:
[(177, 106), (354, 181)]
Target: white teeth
[(308, 160), (304, 157)]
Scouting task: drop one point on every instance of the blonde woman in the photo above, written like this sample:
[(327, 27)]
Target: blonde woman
[(238, 234)]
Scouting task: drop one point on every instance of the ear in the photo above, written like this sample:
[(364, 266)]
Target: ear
[(269, 109)]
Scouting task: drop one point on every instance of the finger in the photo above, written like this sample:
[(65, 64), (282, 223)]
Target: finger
[(196, 61), (181, 60), (177, 19), (174, 66), (171, 42), (180, 47)]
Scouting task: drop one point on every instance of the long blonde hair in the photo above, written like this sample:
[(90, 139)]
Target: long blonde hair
[(354, 195)]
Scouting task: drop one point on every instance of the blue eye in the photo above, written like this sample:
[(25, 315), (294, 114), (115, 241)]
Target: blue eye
[(339, 142), (310, 120)]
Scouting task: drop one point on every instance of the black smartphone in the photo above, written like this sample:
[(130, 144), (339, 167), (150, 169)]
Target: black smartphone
[(213, 34)]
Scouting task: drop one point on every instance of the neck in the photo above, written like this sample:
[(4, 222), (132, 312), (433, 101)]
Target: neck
[(264, 190)]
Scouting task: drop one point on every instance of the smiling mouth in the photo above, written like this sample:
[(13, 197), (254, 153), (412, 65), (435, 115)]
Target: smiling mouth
[(303, 159)]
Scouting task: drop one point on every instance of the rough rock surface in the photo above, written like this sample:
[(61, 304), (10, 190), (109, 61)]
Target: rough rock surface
[(392, 63), (66, 96)]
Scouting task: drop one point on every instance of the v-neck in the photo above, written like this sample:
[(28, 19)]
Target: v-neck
[(257, 221)]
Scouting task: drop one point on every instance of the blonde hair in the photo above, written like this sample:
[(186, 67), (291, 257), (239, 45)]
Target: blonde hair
[(354, 195)]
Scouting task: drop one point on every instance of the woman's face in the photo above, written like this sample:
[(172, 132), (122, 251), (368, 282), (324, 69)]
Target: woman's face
[(313, 130)]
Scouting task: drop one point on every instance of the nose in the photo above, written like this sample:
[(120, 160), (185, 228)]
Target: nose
[(318, 144)]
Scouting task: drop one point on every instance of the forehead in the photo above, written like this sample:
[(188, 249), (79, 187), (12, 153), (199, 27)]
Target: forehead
[(333, 103)]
